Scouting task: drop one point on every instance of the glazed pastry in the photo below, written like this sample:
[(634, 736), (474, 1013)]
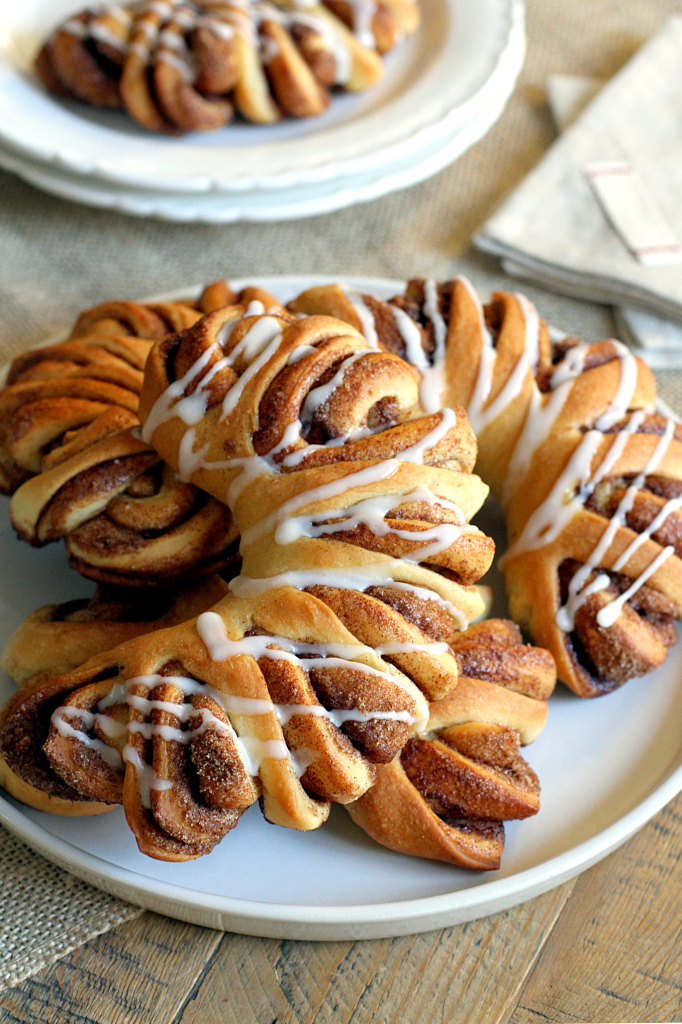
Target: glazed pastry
[(306, 609), (449, 791), (60, 637), (125, 517), (181, 66), (207, 717), (589, 475), (358, 579), (335, 488)]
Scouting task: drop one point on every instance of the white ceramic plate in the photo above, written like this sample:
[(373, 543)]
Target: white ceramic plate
[(264, 205), (434, 82), (606, 767)]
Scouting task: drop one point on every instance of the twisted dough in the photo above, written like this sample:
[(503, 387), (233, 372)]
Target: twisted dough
[(208, 716), (181, 66), (358, 576), (60, 637), (589, 475), (316, 423), (61, 398), (125, 517), (448, 792)]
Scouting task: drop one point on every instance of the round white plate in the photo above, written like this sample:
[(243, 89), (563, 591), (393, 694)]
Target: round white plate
[(263, 205), (434, 82), (606, 766)]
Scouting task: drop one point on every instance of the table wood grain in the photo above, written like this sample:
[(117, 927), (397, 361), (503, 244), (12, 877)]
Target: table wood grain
[(606, 947)]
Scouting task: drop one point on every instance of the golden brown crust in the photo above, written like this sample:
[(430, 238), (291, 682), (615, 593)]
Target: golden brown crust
[(58, 638), (359, 390), (126, 518), (63, 735), (550, 415), (447, 794), (61, 398)]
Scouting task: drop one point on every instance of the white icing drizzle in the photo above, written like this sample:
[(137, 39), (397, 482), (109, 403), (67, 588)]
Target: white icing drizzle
[(103, 34), (526, 361), (109, 726), (363, 13), (360, 579), (147, 779), (539, 421), (553, 515), (75, 28), (179, 61), (140, 50), (318, 396), (412, 336), (415, 453), (252, 750), (369, 475), (300, 15), (571, 366), (364, 314), (172, 44), (211, 629), (256, 347), (433, 373), (301, 351), (620, 404), (607, 616), (371, 513)]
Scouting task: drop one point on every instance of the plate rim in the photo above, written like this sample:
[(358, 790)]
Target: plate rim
[(332, 922), (422, 136)]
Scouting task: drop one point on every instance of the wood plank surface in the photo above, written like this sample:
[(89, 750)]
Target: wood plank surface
[(162, 971), (469, 973), (139, 973), (616, 951)]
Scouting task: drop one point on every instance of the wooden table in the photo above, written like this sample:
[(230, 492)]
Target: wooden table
[(603, 947)]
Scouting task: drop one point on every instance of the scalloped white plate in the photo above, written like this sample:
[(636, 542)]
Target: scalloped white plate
[(436, 81), (606, 767), (262, 205)]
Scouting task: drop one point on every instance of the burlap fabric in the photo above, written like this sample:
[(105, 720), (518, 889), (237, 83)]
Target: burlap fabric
[(57, 258)]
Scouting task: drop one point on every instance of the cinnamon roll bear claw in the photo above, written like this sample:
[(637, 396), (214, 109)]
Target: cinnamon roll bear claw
[(589, 474), (350, 615), (187, 65), (447, 794)]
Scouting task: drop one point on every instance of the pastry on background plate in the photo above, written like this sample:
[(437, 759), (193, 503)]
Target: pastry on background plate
[(188, 65)]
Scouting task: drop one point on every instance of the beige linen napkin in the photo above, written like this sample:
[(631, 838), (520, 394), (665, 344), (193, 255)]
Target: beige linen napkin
[(657, 341), (553, 230)]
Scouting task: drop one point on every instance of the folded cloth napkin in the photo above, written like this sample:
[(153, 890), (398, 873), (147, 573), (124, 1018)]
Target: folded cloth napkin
[(555, 230), (657, 341)]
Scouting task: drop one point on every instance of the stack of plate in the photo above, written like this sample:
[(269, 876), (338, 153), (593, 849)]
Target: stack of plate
[(443, 89)]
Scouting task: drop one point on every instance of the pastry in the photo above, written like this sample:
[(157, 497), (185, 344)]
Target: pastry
[(180, 66), (61, 398), (342, 614), (60, 637), (79, 474), (314, 422), (213, 723), (259, 714), (358, 584), (125, 517), (589, 474), (449, 791)]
